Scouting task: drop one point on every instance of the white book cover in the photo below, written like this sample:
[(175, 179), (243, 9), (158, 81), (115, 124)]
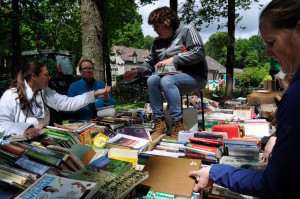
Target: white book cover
[(51, 186), (127, 140)]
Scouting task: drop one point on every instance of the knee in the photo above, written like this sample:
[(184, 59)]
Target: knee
[(153, 80), (166, 82)]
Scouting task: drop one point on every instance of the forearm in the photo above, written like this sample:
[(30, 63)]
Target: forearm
[(242, 181)]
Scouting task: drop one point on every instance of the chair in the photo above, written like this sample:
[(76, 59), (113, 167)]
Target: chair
[(202, 107)]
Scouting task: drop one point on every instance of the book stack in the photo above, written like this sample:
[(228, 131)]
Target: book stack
[(242, 148)]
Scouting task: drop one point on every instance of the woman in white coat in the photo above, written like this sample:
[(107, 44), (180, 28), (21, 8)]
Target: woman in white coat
[(24, 106)]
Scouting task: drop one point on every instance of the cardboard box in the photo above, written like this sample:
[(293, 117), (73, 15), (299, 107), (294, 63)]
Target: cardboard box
[(263, 96)]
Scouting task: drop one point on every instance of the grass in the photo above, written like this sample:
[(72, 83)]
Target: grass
[(126, 106)]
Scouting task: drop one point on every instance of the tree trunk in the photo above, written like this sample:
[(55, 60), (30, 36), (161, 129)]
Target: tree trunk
[(15, 37), (230, 49), (92, 36), (174, 5), (106, 49)]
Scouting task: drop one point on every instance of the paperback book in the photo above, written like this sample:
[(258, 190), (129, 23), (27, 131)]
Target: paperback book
[(51, 186), (110, 166)]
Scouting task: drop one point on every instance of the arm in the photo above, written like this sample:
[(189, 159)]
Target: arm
[(65, 103), (195, 48), (12, 118)]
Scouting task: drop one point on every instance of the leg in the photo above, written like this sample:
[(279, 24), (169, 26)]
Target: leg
[(156, 100), (155, 95), (174, 85)]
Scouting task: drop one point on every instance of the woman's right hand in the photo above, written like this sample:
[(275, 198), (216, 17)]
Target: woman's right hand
[(128, 75), (32, 133)]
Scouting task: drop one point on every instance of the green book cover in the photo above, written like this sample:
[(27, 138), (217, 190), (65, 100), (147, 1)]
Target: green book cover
[(111, 166), (57, 134), (116, 187), (8, 156), (42, 157)]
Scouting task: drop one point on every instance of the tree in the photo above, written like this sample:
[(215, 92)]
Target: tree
[(215, 44), (148, 41), (92, 36), (212, 11)]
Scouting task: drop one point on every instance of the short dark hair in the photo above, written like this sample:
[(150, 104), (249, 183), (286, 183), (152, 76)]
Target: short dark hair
[(85, 60), (282, 13), (166, 16)]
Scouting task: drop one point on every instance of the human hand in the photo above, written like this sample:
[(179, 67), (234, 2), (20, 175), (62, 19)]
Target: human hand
[(128, 75), (163, 63), (102, 91), (268, 149), (32, 133), (202, 179), (104, 96)]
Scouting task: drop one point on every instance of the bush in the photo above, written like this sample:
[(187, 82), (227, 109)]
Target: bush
[(251, 77)]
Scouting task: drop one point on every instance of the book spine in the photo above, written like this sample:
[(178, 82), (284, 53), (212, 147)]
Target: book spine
[(12, 149), (42, 157), (25, 173), (8, 156), (57, 134), (200, 156), (21, 145), (49, 152)]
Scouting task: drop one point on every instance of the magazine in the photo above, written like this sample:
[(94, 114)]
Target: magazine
[(169, 69)]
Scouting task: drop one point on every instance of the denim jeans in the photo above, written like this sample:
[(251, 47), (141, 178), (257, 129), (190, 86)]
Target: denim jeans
[(170, 87)]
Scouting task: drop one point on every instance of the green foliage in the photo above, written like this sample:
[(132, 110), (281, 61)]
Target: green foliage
[(251, 77), (248, 52), (215, 44), (148, 41)]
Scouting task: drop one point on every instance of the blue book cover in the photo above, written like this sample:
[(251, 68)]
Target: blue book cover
[(32, 166)]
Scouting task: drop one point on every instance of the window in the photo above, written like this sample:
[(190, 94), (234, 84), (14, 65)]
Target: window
[(134, 59)]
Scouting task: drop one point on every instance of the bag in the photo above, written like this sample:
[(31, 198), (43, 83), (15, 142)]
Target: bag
[(55, 116)]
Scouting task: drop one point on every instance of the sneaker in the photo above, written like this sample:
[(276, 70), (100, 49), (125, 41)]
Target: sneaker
[(176, 127), (159, 127)]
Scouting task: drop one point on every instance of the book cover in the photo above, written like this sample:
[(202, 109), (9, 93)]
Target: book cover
[(12, 148), (111, 166), (206, 141), (232, 130), (32, 166), (242, 162), (139, 132), (50, 152), (8, 156), (116, 187), (42, 157), (51, 186), (170, 175), (128, 141)]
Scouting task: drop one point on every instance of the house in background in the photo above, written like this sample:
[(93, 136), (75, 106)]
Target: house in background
[(215, 70), (126, 59)]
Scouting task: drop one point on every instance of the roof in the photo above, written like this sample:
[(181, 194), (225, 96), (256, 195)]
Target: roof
[(126, 53), (213, 65)]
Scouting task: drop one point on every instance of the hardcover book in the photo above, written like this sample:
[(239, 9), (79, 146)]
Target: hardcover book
[(51, 186), (128, 141), (205, 150), (110, 166)]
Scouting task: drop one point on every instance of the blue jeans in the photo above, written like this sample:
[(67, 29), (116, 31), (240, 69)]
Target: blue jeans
[(171, 86)]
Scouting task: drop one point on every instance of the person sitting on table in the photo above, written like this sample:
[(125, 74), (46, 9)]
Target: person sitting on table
[(25, 105), (280, 29), (85, 84), (179, 45)]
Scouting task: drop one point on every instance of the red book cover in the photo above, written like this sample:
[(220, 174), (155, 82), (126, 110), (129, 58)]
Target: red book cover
[(205, 141), (206, 150), (12, 148), (231, 130)]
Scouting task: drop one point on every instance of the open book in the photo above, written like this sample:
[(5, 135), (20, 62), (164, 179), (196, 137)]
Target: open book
[(169, 69)]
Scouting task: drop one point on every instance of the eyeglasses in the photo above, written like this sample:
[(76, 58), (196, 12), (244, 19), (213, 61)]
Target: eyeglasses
[(87, 69)]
